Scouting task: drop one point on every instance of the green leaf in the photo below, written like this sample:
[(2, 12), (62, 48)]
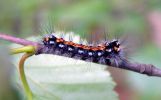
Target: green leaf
[(54, 77)]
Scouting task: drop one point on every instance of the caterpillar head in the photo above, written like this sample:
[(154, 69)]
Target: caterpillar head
[(113, 46)]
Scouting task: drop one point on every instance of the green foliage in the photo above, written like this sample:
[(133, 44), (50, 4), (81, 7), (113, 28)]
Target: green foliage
[(7, 85), (25, 17), (149, 87), (117, 16), (60, 78)]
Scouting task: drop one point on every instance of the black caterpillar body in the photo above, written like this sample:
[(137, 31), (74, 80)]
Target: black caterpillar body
[(104, 53)]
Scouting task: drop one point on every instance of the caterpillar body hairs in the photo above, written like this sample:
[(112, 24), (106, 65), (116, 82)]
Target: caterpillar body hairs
[(110, 53), (105, 53)]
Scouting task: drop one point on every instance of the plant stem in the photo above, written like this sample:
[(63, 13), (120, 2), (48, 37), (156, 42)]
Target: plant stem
[(147, 69), (17, 40), (26, 49), (23, 77)]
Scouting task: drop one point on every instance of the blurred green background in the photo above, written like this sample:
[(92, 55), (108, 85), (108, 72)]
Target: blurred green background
[(24, 18)]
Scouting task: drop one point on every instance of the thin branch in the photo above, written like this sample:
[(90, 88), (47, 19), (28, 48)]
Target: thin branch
[(147, 69), (17, 40)]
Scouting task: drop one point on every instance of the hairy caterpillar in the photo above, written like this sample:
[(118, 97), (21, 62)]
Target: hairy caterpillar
[(106, 53), (110, 53)]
